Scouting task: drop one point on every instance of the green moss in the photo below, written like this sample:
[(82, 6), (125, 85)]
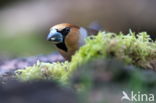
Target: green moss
[(137, 50), (56, 71)]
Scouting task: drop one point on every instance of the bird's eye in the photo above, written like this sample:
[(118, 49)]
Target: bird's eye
[(67, 29)]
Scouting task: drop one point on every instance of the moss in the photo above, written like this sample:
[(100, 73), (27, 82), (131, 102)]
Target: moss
[(136, 49), (56, 71)]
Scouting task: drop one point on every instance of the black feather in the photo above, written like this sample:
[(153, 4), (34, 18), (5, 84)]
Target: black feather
[(62, 46), (64, 32)]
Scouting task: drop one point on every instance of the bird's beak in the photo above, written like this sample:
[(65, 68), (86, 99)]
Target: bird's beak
[(55, 37)]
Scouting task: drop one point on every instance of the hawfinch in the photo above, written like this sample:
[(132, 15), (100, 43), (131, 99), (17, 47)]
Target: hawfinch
[(68, 38)]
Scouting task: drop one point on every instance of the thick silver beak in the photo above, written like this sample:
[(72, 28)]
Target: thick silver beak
[(55, 37)]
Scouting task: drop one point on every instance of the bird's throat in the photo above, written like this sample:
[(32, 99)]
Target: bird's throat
[(62, 46)]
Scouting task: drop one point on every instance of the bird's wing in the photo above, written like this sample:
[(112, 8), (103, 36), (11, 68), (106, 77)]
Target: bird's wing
[(91, 31)]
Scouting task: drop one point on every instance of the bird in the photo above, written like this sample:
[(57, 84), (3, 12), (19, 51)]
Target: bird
[(68, 38)]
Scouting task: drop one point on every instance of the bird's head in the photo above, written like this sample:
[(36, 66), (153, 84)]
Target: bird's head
[(67, 36)]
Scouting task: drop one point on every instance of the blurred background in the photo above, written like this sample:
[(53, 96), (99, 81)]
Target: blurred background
[(24, 24)]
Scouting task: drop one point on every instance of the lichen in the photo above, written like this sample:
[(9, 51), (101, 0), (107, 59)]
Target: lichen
[(136, 49)]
